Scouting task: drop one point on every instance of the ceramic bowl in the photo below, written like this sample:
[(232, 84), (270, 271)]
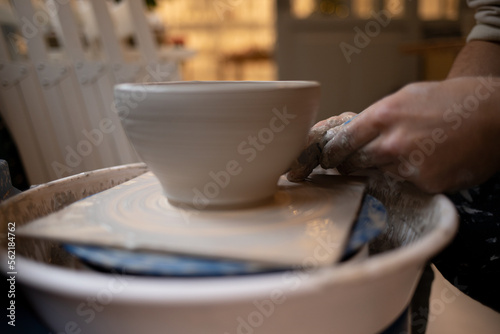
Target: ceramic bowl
[(218, 143), (360, 297)]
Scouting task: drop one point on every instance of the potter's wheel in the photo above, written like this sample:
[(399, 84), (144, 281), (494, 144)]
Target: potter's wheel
[(330, 298), (369, 224), (304, 224)]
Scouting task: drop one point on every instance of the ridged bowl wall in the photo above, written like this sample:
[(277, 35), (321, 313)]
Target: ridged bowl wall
[(218, 143)]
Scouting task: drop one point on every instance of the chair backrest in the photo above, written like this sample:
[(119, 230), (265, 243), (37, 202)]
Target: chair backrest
[(58, 102)]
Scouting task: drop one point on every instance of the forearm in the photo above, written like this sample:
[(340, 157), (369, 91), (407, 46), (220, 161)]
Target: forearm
[(481, 54), (477, 58)]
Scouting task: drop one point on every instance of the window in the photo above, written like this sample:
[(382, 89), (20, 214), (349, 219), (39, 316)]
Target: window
[(428, 10)]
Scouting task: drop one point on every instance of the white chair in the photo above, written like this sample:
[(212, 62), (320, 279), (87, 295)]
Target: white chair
[(58, 103)]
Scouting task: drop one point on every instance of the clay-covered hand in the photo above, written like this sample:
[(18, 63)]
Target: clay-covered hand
[(440, 136), (320, 134)]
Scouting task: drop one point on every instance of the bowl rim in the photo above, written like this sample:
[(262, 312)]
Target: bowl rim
[(212, 86)]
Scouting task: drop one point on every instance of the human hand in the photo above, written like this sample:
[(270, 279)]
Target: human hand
[(438, 135), (320, 134)]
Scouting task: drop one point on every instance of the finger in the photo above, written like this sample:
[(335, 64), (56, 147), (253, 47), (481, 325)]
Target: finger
[(320, 128), (358, 160), (305, 163), (310, 157), (366, 157), (347, 139), (327, 137), (330, 134)]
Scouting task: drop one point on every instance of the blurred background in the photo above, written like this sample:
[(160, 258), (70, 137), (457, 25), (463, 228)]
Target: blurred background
[(301, 39), (59, 60)]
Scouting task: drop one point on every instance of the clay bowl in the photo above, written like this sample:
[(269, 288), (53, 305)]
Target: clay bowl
[(218, 143)]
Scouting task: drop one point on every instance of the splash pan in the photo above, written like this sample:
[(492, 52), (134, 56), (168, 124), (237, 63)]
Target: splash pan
[(354, 297)]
